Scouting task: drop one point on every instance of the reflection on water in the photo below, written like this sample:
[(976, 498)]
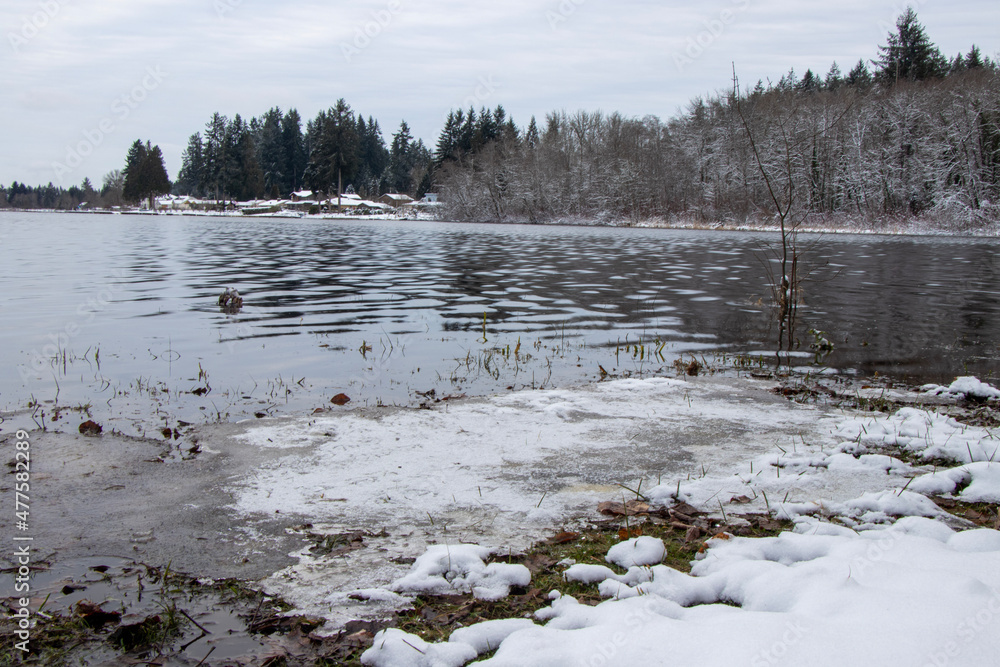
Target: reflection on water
[(113, 309)]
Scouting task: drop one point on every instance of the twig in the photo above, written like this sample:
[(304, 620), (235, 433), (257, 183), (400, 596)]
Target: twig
[(199, 625)]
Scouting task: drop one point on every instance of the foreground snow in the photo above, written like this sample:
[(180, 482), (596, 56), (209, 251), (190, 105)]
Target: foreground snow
[(889, 591), (916, 593), (873, 573)]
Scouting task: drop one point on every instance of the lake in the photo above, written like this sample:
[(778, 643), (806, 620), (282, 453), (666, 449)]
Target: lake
[(120, 315)]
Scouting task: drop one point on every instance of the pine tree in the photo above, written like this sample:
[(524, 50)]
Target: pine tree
[(531, 134), (909, 54), (144, 173), (132, 191), (834, 79), (214, 155), (333, 158), (296, 153), (974, 59), (788, 82), (859, 76), (448, 143), (190, 177), (810, 83), (400, 160), (153, 175), (271, 151), (373, 157)]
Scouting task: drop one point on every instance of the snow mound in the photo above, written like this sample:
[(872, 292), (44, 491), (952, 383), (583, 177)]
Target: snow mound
[(450, 569), (486, 636), (637, 551), (789, 599), (968, 386), (395, 648), (982, 480)]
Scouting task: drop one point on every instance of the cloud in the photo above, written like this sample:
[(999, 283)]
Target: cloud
[(411, 59)]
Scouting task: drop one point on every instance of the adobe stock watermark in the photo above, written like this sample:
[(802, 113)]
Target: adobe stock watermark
[(485, 88), (888, 24), (368, 31), (224, 8), (714, 29), (776, 652), (121, 108), (640, 614), (563, 12), (32, 25), (970, 627)]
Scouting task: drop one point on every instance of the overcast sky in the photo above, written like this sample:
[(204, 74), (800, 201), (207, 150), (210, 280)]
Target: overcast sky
[(82, 79)]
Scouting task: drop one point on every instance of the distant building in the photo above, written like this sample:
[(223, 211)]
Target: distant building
[(395, 200), (302, 195)]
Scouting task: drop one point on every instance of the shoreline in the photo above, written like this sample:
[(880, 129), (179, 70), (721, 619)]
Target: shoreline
[(911, 228), (273, 540)]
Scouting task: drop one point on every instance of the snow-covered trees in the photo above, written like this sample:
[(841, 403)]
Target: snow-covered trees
[(856, 147)]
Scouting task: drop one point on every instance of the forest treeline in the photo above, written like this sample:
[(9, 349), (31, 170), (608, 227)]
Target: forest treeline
[(917, 134), (908, 133), (271, 156)]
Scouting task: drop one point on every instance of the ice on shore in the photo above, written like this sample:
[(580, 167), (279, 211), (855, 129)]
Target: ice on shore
[(872, 573)]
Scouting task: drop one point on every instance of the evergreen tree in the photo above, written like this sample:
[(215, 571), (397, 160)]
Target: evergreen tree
[(468, 132), (834, 79), (132, 191), (190, 179), (296, 154), (788, 82), (810, 83), (974, 59), (153, 175), (214, 155), (233, 178), (531, 134), (859, 76), (400, 160), (144, 173), (373, 157), (271, 156), (333, 158), (909, 54), (448, 143)]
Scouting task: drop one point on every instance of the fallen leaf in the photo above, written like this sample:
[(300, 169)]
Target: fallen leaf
[(563, 538), (90, 427), (626, 533), (94, 616), (341, 399), (740, 500)]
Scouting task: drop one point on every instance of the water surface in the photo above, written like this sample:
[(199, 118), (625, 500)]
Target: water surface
[(120, 313)]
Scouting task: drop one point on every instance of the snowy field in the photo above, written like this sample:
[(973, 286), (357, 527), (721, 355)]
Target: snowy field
[(873, 573)]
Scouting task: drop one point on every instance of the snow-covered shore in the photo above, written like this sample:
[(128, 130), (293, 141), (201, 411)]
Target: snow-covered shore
[(873, 573)]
